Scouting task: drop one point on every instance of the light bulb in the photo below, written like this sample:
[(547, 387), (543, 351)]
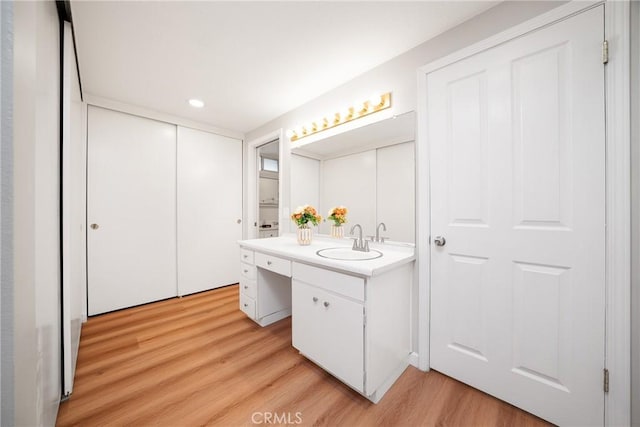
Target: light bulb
[(196, 103), (375, 100)]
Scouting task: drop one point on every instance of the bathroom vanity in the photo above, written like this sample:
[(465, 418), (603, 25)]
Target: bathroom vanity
[(350, 314)]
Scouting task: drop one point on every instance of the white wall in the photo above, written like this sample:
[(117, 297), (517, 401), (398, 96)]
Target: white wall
[(36, 213)]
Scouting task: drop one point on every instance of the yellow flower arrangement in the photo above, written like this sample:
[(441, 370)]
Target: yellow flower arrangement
[(338, 215), (303, 215)]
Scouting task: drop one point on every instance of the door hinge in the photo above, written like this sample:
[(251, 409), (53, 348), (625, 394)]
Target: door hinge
[(605, 52), (606, 381), (364, 317)]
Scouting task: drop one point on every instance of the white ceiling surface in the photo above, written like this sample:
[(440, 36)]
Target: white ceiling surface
[(250, 62)]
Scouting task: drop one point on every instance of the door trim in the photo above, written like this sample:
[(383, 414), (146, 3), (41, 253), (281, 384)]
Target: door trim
[(618, 199), (618, 213), (251, 183)]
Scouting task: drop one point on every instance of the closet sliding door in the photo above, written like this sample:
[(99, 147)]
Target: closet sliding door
[(209, 210), (131, 210)]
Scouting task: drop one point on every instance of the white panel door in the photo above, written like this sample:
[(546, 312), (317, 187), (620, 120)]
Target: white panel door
[(517, 167), (209, 210), (131, 209), (74, 233)]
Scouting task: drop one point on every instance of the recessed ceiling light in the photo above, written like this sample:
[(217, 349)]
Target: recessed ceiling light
[(196, 103)]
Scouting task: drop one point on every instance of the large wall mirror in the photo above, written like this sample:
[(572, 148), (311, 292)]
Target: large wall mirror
[(370, 170)]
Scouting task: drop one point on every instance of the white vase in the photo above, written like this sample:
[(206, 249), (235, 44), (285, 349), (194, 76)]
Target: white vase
[(337, 231), (305, 235)]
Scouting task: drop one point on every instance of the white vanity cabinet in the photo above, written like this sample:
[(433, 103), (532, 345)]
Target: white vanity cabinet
[(328, 328), (265, 287), (355, 328), (352, 318)]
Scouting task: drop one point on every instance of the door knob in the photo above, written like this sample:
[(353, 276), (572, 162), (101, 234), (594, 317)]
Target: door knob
[(439, 241), (94, 226), (238, 221)]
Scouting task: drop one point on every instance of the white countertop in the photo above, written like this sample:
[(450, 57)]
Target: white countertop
[(286, 246)]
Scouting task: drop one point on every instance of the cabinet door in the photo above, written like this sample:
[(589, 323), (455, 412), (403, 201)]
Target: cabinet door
[(209, 206), (329, 330), (131, 204), (268, 190)]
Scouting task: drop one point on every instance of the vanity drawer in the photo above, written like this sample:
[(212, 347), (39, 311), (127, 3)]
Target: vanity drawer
[(248, 306), (246, 255), (248, 287), (273, 263), (339, 283), (248, 271)]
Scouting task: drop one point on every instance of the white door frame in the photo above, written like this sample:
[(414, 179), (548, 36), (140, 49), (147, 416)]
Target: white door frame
[(618, 199), (251, 199)]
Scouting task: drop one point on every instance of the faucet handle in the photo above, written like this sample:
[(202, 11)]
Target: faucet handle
[(371, 238), (382, 239), (366, 246), (355, 244)]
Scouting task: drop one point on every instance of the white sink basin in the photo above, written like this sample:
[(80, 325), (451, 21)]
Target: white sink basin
[(348, 254)]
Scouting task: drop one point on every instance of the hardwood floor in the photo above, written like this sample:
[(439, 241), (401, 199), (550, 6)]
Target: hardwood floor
[(198, 360)]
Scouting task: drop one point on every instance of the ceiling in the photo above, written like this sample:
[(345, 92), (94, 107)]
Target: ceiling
[(250, 62)]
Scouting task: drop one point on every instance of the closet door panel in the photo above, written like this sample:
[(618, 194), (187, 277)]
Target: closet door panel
[(209, 209), (130, 210), (396, 191)]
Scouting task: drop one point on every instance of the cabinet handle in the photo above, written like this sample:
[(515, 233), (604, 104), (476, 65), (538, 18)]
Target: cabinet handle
[(246, 287), (315, 299), (246, 271), (246, 305), (268, 262), (326, 304), (245, 256)]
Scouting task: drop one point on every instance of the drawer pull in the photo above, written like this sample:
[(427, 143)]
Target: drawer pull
[(246, 287), (246, 271), (245, 256), (268, 262), (315, 299), (246, 305), (326, 304)]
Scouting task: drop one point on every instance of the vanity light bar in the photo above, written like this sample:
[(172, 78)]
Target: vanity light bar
[(370, 106)]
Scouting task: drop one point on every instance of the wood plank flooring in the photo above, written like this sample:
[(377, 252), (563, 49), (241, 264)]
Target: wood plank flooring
[(198, 360)]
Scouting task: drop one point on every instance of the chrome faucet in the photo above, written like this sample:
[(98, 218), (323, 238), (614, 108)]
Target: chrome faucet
[(378, 238), (359, 244)]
